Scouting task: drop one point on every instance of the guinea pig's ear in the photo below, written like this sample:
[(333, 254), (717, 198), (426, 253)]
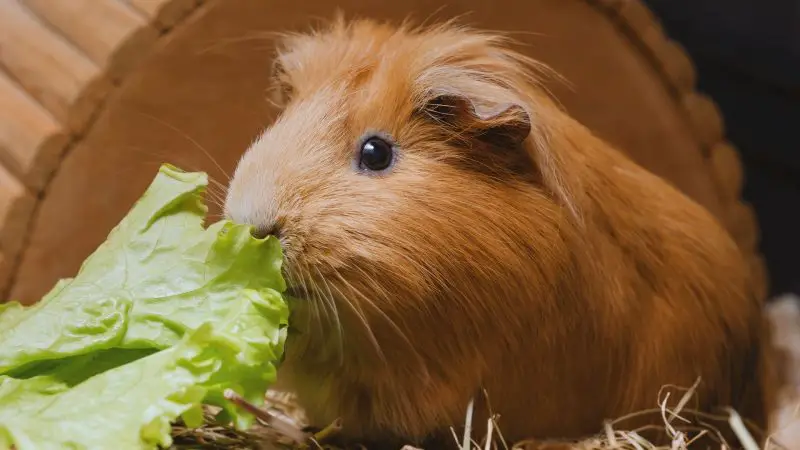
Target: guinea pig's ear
[(281, 90), (497, 123)]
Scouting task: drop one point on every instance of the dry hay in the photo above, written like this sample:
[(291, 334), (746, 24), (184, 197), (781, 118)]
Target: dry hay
[(281, 423)]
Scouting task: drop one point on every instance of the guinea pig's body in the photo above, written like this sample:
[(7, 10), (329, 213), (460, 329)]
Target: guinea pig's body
[(449, 232)]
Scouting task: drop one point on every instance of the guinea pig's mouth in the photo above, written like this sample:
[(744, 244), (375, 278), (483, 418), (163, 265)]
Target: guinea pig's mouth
[(296, 296), (297, 292), (299, 286)]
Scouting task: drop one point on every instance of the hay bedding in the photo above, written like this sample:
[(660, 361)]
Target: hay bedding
[(284, 432), (286, 419)]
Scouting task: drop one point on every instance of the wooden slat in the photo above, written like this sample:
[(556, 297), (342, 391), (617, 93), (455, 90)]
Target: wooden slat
[(165, 13), (64, 80), (16, 207), (31, 140), (612, 6), (638, 17), (675, 62), (670, 59), (727, 171), (743, 226), (705, 118), (113, 34)]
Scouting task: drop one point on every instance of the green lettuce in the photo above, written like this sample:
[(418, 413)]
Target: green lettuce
[(163, 316)]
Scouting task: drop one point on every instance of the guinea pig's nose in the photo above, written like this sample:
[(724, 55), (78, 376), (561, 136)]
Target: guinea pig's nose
[(273, 229)]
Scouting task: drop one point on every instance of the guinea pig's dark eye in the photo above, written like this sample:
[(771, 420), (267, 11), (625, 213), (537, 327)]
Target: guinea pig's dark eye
[(376, 154)]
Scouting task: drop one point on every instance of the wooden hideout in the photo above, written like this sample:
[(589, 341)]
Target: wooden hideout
[(96, 94)]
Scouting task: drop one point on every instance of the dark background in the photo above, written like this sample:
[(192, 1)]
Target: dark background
[(747, 55)]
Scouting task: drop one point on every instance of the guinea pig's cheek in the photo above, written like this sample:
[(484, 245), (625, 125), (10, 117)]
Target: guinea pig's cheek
[(292, 250)]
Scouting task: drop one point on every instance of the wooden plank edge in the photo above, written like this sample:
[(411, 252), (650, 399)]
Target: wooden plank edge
[(31, 139), (16, 209), (165, 14)]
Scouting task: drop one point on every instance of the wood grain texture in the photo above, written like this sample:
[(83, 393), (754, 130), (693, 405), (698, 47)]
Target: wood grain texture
[(31, 140), (16, 206), (64, 80), (111, 33)]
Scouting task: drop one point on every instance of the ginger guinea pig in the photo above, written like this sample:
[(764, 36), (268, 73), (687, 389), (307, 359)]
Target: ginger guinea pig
[(448, 231)]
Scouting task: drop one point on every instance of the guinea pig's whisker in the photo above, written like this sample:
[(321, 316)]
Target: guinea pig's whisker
[(376, 287), (223, 189), (190, 140), (215, 199), (319, 304), (321, 309), (313, 302), (156, 159), (258, 37), (335, 313), (294, 283), (360, 314)]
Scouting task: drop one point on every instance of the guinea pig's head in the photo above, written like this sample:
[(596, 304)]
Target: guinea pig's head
[(408, 179)]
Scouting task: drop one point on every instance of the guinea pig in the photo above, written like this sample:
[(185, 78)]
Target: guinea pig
[(451, 234)]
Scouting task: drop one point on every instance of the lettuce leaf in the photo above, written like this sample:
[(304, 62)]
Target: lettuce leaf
[(118, 344), (130, 405), (159, 274)]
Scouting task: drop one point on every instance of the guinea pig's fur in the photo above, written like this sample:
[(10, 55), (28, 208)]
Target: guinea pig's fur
[(506, 251)]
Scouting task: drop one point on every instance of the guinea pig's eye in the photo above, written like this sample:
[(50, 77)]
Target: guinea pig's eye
[(376, 154)]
